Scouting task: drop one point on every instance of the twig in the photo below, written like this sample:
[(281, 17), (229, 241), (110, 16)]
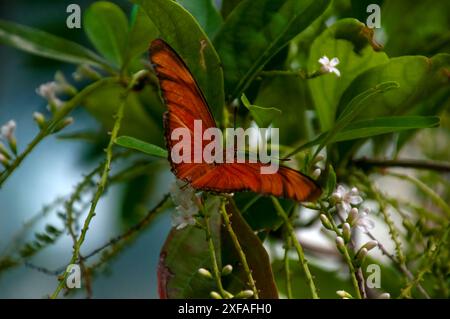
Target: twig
[(347, 258), (367, 163), (212, 252), (113, 241), (51, 125), (287, 269), (427, 190), (298, 248), (239, 250), (402, 267), (98, 193), (431, 259)]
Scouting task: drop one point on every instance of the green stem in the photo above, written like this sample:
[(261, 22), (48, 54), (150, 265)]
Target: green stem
[(238, 247), (51, 125), (98, 193), (287, 269), (301, 255), (431, 257), (427, 190), (212, 253), (347, 259)]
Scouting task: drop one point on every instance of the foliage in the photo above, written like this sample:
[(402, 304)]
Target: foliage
[(258, 61)]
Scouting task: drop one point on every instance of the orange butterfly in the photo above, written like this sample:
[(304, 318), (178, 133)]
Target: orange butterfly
[(186, 103)]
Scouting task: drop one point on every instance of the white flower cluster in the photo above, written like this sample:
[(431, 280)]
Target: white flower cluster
[(183, 196), (345, 201), (49, 91)]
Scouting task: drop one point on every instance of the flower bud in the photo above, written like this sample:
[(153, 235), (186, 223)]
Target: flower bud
[(228, 295), (340, 244), (325, 222), (4, 160), (352, 216), (360, 256), (205, 273), (226, 270), (39, 118), (346, 232), (244, 294), (343, 294), (384, 296), (370, 245), (4, 151), (62, 125), (316, 173), (215, 295)]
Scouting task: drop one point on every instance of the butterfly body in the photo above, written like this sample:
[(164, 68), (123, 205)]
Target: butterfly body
[(187, 104)]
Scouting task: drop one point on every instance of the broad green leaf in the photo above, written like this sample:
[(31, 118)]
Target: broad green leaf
[(373, 127), (352, 43), (142, 32), (228, 6), (103, 104), (423, 82), (184, 252), (205, 13), (404, 35), (47, 45), (255, 32), (139, 145), (291, 96), (107, 28), (355, 107), (384, 125), (263, 116), (178, 28), (256, 256)]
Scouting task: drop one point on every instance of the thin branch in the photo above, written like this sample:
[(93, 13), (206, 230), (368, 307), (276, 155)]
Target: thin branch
[(98, 193), (49, 128), (298, 248), (239, 250), (367, 163), (402, 267)]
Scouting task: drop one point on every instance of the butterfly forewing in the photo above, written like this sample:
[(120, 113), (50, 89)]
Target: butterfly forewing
[(186, 103)]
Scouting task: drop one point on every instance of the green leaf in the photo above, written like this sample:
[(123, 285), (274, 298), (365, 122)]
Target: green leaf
[(384, 125), (354, 108), (373, 127), (137, 122), (139, 145), (405, 38), (184, 252), (255, 32), (228, 6), (263, 116), (107, 28), (352, 43), (47, 45), (205, 13), (424, 86), (142, 32), (178, 28)]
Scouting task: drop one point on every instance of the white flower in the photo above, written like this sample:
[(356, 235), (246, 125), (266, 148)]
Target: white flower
[(183, 196), (329, 66), (363, 222), (345, 199), (7, 130), (49, 92)]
